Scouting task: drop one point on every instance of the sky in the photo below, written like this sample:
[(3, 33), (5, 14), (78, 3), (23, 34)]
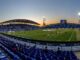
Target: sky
[(36, 10)]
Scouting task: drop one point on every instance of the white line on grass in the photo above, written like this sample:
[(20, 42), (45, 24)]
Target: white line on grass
[(78, 35), (71, 36)]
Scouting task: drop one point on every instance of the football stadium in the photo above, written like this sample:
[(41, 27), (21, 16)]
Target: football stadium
[(23, 39), (39, 29)]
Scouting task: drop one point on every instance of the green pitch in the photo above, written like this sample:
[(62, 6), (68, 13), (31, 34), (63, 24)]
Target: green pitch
[(64, 35)]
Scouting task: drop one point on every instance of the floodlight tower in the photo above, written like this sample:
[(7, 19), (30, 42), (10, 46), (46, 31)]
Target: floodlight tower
[(79, 19), (44, 19)]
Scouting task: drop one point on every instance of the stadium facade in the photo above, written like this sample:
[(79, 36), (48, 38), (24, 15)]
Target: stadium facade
[(25, 24), (18, 24)]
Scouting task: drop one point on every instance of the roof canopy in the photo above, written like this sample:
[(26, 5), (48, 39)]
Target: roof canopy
[(21, 21)]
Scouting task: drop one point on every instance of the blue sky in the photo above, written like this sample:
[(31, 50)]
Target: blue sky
[(36, 9)]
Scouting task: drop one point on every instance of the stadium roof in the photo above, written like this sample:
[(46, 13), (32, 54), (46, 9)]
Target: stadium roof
[(21, 21)]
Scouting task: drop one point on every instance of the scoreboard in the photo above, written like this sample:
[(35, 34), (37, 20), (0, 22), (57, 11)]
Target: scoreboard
[(63, 21)]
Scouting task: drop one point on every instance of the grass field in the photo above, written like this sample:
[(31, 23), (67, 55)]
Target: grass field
[(50, 34)]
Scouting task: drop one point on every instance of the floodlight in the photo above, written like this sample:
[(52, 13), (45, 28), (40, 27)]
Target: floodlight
[(79, 13)]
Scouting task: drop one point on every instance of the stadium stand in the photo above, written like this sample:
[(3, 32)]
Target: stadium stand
[(18, 25), (3, 56), (10, 53), (34, 53), (63, 24), (58, 25), (23, 24)]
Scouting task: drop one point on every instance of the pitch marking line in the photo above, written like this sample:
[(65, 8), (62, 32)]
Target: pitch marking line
[(71, 36)]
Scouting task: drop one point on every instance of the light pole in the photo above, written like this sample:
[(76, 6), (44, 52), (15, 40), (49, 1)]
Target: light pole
[(79, 19), (44, 19)]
